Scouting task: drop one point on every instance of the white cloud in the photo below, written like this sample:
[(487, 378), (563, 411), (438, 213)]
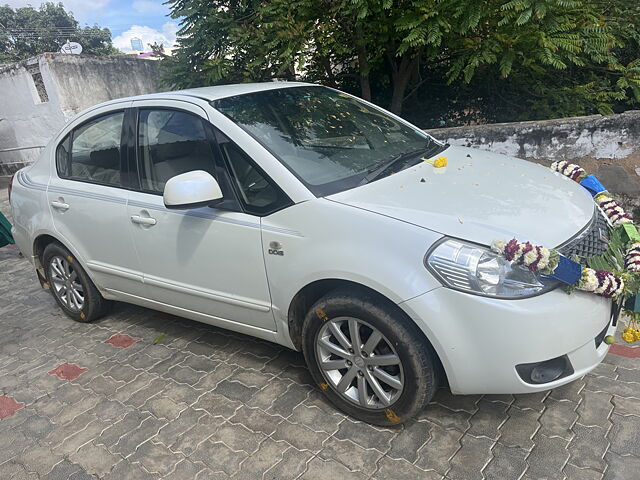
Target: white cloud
[(81, 9), (148, 35), (150, 7)]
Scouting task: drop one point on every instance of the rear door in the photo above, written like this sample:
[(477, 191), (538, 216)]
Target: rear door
[(87, 196), (204, 260)]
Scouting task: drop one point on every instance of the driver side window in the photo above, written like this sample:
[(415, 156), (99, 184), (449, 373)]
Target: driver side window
[(171, 142), (257, 192)]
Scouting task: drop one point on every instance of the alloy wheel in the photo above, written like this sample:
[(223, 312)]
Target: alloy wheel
[(66, 283), (359, 362)]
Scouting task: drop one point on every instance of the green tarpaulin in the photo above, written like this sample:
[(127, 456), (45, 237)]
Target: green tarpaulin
[(5, 231)]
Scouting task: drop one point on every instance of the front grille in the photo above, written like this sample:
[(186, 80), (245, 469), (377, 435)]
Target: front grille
[(591, 241)]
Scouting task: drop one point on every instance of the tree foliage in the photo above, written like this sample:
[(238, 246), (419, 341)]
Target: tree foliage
[(549, 55), (25, 32)]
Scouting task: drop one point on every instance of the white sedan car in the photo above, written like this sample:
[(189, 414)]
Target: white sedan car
[(307, 217)]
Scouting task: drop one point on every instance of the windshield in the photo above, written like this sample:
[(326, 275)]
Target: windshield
[(328, 139)]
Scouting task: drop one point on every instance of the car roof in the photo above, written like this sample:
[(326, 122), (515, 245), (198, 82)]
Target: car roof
[(215, 92)]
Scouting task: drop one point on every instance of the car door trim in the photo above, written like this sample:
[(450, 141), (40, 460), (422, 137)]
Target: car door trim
[(111, 270), (259, 332), (208, 294)]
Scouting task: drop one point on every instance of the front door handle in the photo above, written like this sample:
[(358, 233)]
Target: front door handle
[(143, 220), (60, 205)]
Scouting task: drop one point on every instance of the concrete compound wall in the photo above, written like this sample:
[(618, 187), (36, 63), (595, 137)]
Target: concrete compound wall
[(607, 146), (37, 96)]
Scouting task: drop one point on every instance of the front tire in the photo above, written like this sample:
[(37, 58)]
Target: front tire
[(368, 358), (70, 285)]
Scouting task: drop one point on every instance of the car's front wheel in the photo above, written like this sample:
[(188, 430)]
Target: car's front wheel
[(72, 288), (369, 360)]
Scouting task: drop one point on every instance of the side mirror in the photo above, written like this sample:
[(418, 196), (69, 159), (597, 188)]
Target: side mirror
[(190, 190)]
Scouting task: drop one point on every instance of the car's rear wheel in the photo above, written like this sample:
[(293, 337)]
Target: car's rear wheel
[(72, 288), (368, 358)]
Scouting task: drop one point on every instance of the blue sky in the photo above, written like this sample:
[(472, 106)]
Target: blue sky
[(145, 19)]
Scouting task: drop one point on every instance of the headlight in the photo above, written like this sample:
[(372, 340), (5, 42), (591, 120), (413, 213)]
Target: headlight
[(478, 270)]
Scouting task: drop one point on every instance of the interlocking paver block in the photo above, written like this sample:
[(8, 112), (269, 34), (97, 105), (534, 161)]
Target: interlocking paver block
[(316, 419), (354, 457), (127, 444), (218, 456), (506, 463), (293, 464), (401, 470), (8, 406), (189, 441), (155, 458), (95, 459), (437, 453), (163, 407), (558, 418), (121, 341), (319, 469), (68, 371), (548, 458), (595, 409), (488, 419), (299, 436), (574, 473), (365, 435), (409, 440), (445, 417), (520, 427), (217, 405), (622, 468), (269, 453), (235, 390), (588, 447), (625, 435), (473, 456)]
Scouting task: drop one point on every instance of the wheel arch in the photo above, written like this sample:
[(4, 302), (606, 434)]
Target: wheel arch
[(41, 241), (312, 292)]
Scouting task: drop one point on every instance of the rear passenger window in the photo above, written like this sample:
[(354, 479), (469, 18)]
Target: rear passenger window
[(171, 142), (95, 151), (62, 157)]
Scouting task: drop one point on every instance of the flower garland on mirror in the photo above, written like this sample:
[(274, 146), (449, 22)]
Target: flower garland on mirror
[(613, 274)]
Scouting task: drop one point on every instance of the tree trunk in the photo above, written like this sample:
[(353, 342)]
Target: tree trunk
[(401, 75), (363, 66), (326, 65), (365, 86)]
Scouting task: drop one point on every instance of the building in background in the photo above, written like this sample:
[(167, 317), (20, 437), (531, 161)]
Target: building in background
[(37, 96), (136, 44)]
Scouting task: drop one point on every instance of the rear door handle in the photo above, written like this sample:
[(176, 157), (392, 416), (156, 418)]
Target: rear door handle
[(60, 205), (143, 220)]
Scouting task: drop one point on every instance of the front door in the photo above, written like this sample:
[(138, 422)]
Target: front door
[(88, 202), (201, 260)]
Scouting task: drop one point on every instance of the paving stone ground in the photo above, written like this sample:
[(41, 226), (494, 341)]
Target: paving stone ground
[(209, 404)]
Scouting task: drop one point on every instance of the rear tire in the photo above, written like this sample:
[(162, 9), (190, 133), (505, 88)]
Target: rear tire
[(385, 378), (70, 285)]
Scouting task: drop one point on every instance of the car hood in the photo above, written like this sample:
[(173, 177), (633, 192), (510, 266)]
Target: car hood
[(480, 197)]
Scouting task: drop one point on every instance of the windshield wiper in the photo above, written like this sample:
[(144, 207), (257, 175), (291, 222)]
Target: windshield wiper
[(388, 166)]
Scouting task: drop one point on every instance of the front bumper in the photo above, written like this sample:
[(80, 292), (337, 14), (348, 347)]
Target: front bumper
[(480, 340)]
